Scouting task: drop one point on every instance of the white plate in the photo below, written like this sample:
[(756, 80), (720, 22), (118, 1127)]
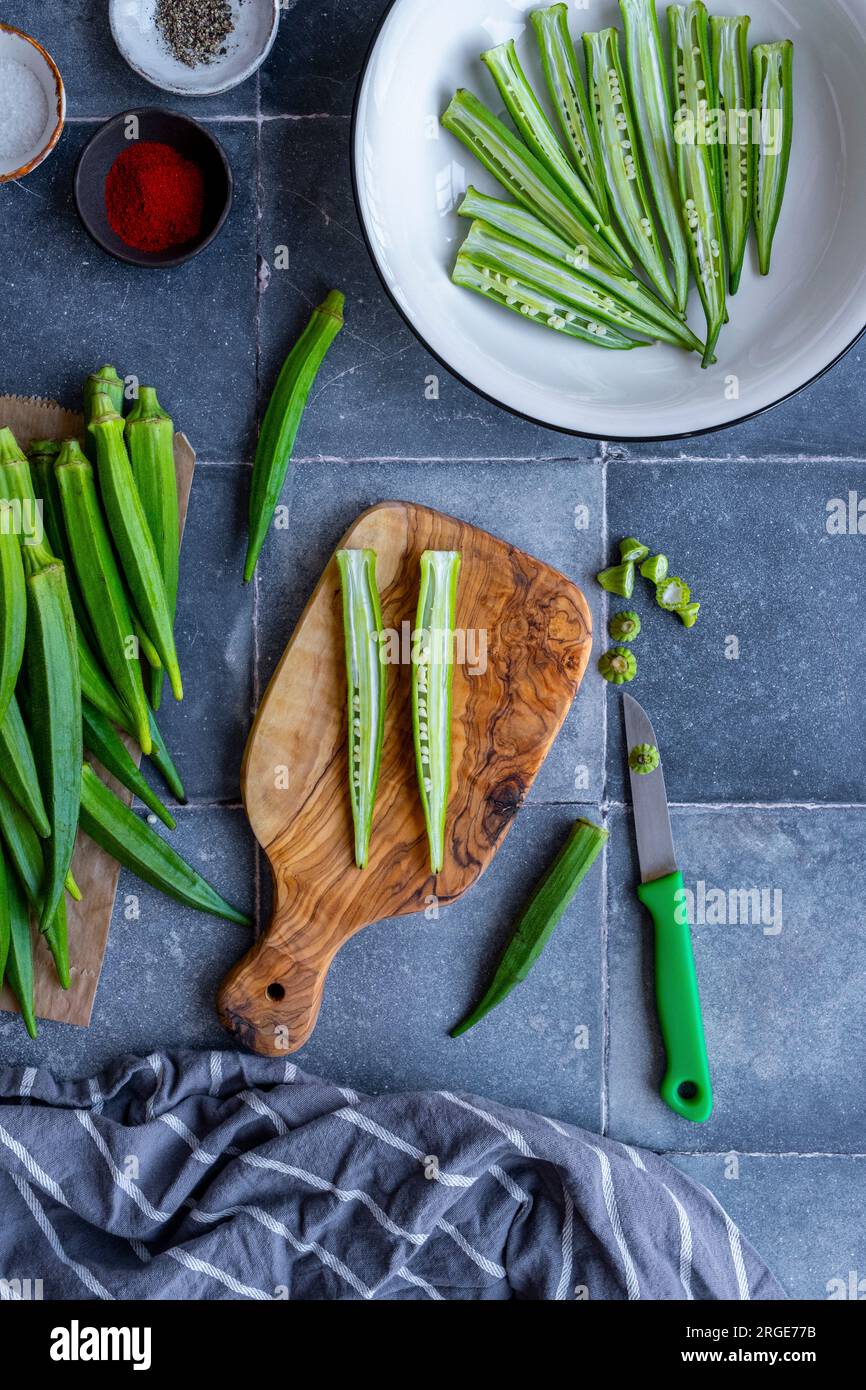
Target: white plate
[(21, 48), (784, 331), (133, 27)]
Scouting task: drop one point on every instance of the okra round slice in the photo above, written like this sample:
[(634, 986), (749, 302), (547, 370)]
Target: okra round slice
[(367, 688), (432, 681), (732, 74), (568, 95), (618, 139), (773, 65)]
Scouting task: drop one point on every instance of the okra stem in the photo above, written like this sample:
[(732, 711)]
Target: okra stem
[(104, 382), (568, 95), (366, 683), (432, 681), (619, 148), (732, 74), (150, 442), (773, 70), (524, 176), (651, 102)]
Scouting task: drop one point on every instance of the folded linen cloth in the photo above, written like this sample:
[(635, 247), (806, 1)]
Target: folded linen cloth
[(196, 1175)]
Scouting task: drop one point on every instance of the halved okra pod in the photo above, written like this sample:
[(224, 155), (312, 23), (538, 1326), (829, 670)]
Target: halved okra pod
[(102, 740), (773, 85), (568, 95), (525, 227), (432, 681), (131, 535), (524, 176), (646, 66), (538, 134), (618, 139), (150, 443), (696, 166), (13, 607), (283, 418), (101, 584), (367, 687), (18, 769), (130, 841), (732, 75)]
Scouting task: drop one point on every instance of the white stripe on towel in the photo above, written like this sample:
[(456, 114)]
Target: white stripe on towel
[(607, 1188), (120, 1179), (685, 1243), (87, 1277)]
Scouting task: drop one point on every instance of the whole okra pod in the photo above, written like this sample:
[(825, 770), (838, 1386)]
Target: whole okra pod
[(25, 851), (150, 443), (432, 682), (367, 688), (131, 535), (13, 607), (102, 740), (568, 95), (42, 455), (732, 74), (19, 961), (18, 769), (282, 420), (773, 72), (104, 382)]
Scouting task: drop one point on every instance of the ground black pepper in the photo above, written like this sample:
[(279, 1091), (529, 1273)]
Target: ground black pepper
[(195, 30)]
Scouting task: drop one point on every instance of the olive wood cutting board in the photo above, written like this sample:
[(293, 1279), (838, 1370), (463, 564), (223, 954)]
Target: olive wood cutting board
[(294, 778), (95, 872)]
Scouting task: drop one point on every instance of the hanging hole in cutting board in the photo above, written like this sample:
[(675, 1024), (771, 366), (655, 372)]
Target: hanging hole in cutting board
[(276, 991)]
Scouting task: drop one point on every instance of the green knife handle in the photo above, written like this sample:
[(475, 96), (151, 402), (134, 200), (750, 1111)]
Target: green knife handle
[(686, 1086)]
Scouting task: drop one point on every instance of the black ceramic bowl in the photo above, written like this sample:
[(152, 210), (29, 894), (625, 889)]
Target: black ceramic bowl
[(189, 139)]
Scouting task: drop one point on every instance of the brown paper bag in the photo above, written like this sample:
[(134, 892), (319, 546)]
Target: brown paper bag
[(96, 873)]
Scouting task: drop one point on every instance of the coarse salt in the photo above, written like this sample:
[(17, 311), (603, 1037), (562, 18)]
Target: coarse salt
[(23, 109)]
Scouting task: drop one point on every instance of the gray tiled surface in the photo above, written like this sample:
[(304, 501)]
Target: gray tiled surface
[(741, 514)]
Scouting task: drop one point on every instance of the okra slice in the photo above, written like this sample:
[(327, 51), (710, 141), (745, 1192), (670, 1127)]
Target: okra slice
[(651, 102), (13, 607), (538, 134), (131, 535), (102, 740), (732, 75), (773, 74), (696, 168), (524, 176), (432, 680), (150, 443), (568, 95), (524, 226), (509, 257), (18, 768), (101, 584), (130, 841), (619, 149), (477, 273), (367, 688)]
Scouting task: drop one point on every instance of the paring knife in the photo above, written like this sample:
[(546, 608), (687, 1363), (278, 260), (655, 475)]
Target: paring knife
[(686, 1085)]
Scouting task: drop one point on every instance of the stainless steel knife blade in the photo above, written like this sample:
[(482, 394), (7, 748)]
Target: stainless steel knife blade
[(652, 822)]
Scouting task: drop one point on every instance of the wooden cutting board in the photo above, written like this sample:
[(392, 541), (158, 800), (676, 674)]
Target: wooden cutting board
[(537, 629)]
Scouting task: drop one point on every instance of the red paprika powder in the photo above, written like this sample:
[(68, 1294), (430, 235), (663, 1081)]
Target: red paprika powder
[(154, 196)]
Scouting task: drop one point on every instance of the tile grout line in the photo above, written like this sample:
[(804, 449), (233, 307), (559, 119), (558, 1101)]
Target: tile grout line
[(538, 461), (605, 979), (257, 872), (225, 119)]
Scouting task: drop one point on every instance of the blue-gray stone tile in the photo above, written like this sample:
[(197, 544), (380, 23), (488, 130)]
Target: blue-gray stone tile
[(69, 306), (780, 722), (804, 1215), (98, 80), (397, 987), (371, 398), (532, 508), (317, 59), (782, 981), (162, 968), (206, 732)]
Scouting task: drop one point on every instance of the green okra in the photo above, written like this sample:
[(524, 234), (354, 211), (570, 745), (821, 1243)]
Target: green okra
[(102, 585), (654, 568), (474, 273), (42, 455), (5, 919), (672, 593), (20, 975), (688, 613), (618, 579), (568, 96), (619, 665), (13, 606), (732, 76), (631, 549), (651, 102), (525, 227), (540, 918), (283, 418), (507, 259), (133, 843), (773, 86), (625, 626), (432, 683), (18, 769), (150, 443), (25, 852), (367, 688), (644, 758), (525, 177), (619, 148), (131, 536), (698, 162), (539, 136), (105, 744), (104, 382)]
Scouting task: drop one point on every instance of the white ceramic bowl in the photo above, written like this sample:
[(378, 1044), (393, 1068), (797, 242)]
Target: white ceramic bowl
[(19, 46), (785, 330), (133, 27)]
